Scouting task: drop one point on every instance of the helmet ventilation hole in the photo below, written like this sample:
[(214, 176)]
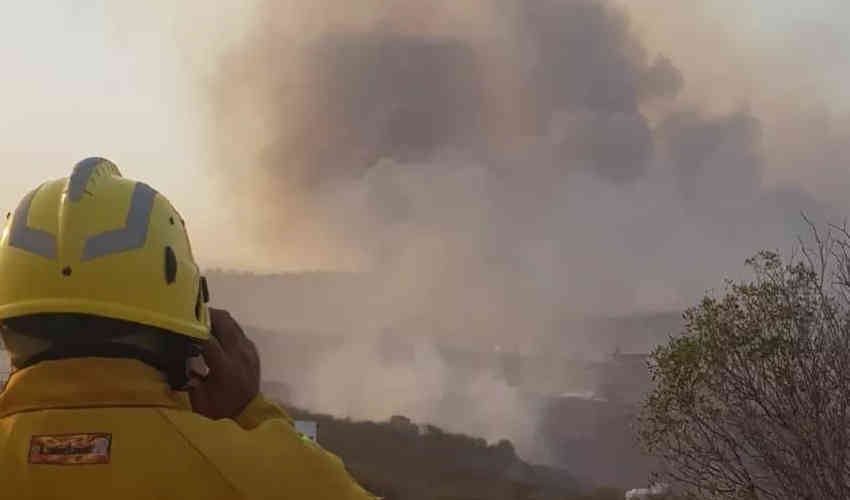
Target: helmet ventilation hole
[(205, 290), (170, 266), (198, 306)]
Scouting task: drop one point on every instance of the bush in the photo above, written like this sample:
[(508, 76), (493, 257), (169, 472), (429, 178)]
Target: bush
[(752, 400)]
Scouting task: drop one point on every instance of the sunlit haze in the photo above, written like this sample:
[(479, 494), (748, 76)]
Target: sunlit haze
[(544, 179), (135, 83)]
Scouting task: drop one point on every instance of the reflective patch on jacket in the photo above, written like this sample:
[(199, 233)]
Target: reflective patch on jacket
[(70, 449)]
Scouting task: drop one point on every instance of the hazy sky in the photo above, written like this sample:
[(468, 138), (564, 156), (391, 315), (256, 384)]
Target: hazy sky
[(124, 80), (130, 81)]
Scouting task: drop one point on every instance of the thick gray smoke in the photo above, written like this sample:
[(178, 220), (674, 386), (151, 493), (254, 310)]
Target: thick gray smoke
[(497, 168)]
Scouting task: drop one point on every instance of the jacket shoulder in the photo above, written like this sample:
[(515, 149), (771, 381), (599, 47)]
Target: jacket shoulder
[(270, 460)]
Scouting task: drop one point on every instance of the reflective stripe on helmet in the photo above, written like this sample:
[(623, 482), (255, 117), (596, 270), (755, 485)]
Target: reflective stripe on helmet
[(26, 238), (133, 235), (80, 177)]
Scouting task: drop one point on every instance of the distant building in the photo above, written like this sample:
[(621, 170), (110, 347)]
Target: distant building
[(308, 429)]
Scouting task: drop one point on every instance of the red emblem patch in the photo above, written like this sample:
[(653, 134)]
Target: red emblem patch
[(71, 449)]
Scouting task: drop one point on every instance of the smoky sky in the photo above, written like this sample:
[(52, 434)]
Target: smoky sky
[(406, 96), (494, 169), (531, 163)]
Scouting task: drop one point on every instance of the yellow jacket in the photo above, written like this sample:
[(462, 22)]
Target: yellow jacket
[(111, 428)]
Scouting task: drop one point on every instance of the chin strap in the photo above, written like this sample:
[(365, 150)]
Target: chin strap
[(175, 371)]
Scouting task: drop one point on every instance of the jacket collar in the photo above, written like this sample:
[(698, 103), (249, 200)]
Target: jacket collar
[(88, 383)]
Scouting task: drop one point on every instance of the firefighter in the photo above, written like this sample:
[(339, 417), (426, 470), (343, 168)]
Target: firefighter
[(104, 312)]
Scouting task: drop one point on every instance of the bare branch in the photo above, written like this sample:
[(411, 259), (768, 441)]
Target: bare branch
[(753, 399)]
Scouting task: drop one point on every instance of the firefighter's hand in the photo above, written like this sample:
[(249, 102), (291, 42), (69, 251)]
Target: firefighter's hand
[(234, 370)]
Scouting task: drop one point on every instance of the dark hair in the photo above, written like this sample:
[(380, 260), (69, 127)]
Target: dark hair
[(83, 335)]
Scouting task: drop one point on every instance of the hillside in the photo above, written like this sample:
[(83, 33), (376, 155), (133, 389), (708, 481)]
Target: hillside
[(400, 460), (306, 327)]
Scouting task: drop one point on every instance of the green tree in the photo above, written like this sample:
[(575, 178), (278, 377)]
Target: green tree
[(752, 399)]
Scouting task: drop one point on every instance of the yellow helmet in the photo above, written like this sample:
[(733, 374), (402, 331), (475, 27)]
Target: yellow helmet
[(99, 244)]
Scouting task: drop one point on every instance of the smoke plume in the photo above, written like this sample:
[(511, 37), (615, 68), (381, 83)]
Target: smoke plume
[(495, 168)]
